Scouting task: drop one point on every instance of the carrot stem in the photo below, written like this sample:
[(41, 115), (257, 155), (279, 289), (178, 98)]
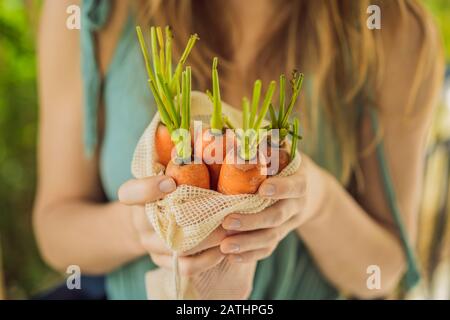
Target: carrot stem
[(210, 95), (162, 52), (182, 139), (165, 118), (282, 98), (189, 84), (244, 150), (155, 57), (265, 106), (255, 100), (216, 119), (144, 50), (184, 89), (245, 113), (294, 138), (228, 123), (297, 86), (179, 100), (168, 70), (192, 40), (273, 116), (169, 101)]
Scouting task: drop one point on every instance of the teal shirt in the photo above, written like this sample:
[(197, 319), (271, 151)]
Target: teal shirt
[(290, 272)]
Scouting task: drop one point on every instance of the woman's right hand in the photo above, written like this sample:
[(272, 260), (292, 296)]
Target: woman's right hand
[(135, 194)]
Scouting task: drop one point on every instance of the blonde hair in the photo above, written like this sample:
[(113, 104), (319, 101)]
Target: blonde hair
[(327, 40)]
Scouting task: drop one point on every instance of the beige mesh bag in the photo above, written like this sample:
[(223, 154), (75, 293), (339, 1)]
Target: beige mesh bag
[(187, 216)]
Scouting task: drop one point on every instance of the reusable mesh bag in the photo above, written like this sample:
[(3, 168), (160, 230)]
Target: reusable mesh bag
[(184, 218)]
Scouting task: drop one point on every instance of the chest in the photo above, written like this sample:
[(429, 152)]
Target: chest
[(129, 108)]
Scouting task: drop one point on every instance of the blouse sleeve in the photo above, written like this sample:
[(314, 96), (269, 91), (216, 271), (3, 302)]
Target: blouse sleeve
[(94, 15)]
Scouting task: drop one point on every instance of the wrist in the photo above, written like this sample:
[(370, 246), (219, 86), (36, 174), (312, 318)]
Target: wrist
[(130, 235), (318, 183)]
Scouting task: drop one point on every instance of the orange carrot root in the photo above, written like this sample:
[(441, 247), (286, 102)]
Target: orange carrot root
[(284, 158), (214, 173), (210, 143), (240, 178), (164, 145), (192, 174)]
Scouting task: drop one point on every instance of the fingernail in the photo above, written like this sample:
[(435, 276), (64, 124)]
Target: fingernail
[(267, 190), (233, 224), (167, 185), (232, 248)]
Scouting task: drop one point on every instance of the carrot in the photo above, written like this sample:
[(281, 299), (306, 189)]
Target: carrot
[(172, 93), (164, 145), (192, 174), (281, 123), (164, 85), (240, 178), (278, 163), (181, 168), (243, 172), (213, 143), (213, 150)]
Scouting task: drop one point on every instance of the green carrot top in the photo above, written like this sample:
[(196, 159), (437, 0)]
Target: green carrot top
[(217, 123), (252, 118), (171, 89), (281, 121), (165, 84)]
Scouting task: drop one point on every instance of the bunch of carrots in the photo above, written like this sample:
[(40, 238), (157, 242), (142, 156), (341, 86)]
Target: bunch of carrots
[(226, 163)]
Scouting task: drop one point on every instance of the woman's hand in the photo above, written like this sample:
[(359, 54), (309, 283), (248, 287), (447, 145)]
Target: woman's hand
[(136, 193), (258, 235)]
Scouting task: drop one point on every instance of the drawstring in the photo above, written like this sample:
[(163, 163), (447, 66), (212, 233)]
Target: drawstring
[(176, 275)]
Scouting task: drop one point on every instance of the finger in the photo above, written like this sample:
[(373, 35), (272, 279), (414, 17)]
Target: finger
[(153, 244), (269, 218), (260, 239), (140, 220), (284, 187), (162, 260), (147, 236), (250, 256), (213, 240), (141, 191), (250, 241), (262, 252), (192, 265)]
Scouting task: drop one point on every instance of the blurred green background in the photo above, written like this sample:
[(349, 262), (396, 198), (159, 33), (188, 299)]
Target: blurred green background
[(22, 271)]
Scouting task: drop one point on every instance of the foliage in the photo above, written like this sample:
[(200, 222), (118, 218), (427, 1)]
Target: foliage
[(441, 12), (23, 269)]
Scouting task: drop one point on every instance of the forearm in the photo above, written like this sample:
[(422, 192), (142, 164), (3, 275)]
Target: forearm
[(345, 241), (96, 237)]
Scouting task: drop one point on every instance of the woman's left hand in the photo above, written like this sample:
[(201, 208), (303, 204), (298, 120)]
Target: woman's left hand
[(255, 236)]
